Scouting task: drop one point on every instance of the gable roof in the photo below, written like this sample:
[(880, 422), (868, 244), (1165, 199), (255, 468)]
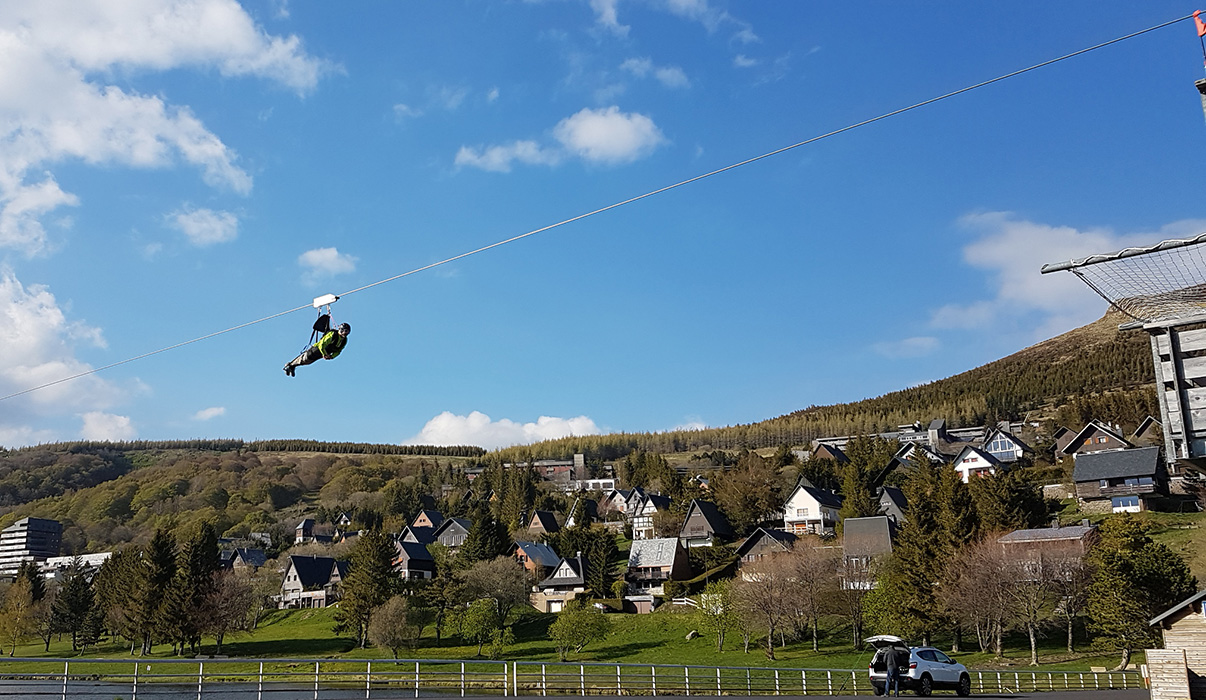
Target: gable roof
[(250, 557), (312, 571), (822, 496), (825, 451), (435, 516), (984, 454), (1090, 428), (656, 552), (1116, 464), (414, 551), (1005, 433), (538, 553), (717, 523), (1200, 595), (784, 539), (451, 523), (578, 578), (1047, 534), (422, 535), (867, 537), (1145, 425), (545, 520), (896, 497)]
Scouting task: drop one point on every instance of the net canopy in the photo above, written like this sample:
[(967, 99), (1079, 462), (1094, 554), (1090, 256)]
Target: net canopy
[(1156, 284)]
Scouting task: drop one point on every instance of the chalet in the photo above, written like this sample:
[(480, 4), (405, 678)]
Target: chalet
[(811, 510), (635, 497), (243, 558), (567, 582), (583, 510), (537, 558), (704, 525), (452, 532), (304, 532), (642, 515), (892, 503), (1183, 657), (420, 535), (1067, 542), (831, 452), (1095, 437), (543, 522), (1149, 432), (428, 518), (311, 581), (1124, 479), (652, 562), (615, 501), (865, 541), (764, 542), (973, 462), (1061, 438), (413, 560), (1006, 446)]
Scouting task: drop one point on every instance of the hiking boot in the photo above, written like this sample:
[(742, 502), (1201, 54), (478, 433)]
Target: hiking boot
[(289, 370)]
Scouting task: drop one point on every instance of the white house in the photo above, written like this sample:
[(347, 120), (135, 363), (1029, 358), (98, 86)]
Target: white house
[(972, 461), (811, 510), (1005, 446)]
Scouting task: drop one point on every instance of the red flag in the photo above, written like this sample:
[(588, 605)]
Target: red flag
[(1198, 21)]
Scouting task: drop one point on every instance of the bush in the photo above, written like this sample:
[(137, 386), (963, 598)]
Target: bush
[(674, 589)]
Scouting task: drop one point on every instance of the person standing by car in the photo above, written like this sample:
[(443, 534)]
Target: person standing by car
[(892, 661)]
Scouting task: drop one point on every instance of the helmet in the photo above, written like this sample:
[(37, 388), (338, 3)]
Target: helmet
[(344, 329)]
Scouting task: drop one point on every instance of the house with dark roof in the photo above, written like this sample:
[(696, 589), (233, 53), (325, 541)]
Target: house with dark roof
[(1095, 437), (1068, 542), (537, 558), (543, 522), (832, 452), (243, 558), (764, 542), (1006, 446), (641, 515), (1149, 432), (1061, 438), (567, 582), (421, 535), (810, 510), (614, 503), (582, 510), (865, 542), (704, 525), (452, 532), (652, 562), (311, 581), (972, 462), (304, 532), (1183, 627), (892, 503), (428, 518), (1125, 479), (413, 560)]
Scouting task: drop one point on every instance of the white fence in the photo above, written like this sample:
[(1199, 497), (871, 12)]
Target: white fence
[(340, 679)]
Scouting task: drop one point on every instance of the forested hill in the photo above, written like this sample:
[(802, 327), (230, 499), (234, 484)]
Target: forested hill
[(1094, 371)]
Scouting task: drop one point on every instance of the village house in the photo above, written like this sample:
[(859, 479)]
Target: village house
[(811, 510), (421, 535), (1119, 481), (1062, 437), (652, 562), (428, 518), (972, 463), (413, 561), (830, 452), (537, 558), (243, 558), (1178, 671), (311, 581), (641, 515), (1095, 437), (764, 542), (1068, 542), (614, 503), (583, 510), (1149, 432), (892, 503), (542, 522), (452, 532), (1006, 446), (865, 542), (704, 525), (567, 582)]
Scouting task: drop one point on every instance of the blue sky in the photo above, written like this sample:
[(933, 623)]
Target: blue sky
[(172, 169)]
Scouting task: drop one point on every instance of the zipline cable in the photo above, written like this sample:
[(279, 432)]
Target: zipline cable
[(616, 205)]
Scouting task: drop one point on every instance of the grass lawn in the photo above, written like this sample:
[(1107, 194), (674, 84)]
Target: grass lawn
[(659, 638)]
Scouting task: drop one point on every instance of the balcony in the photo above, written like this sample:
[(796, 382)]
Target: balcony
[(1123, 490)]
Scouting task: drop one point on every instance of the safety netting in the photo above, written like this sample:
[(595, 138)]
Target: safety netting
[(1155, 284)]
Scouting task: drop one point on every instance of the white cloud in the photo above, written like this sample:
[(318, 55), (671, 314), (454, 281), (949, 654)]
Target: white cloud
[(106, 426), (205, 227), (209, 413), (743, 61), (919, 346), (402, 111), (40, 347), (1011, 252), (606, 16), (477, 429), (492, 95), (56, 107), (670, 76), (691, 424), (499, 158), (608, 135), (321, 263)]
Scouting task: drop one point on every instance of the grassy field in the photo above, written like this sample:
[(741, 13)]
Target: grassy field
[(659, 638)]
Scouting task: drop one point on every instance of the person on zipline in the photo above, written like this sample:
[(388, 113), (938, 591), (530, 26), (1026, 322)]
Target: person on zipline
[(328, 348)]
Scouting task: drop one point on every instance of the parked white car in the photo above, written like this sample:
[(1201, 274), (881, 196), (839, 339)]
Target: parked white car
[(929, 669)]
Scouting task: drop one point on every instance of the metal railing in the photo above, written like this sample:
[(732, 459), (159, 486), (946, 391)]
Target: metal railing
[(339, 679)]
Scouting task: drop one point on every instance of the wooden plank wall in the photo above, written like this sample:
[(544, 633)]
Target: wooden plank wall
[(1167, 674), (1188, 634)]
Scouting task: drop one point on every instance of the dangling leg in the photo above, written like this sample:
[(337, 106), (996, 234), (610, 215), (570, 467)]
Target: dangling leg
[(310, 355)]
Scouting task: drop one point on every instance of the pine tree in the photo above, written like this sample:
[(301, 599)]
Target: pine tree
[(74, 603), (158, 568), (370, 581), (486, 539)]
